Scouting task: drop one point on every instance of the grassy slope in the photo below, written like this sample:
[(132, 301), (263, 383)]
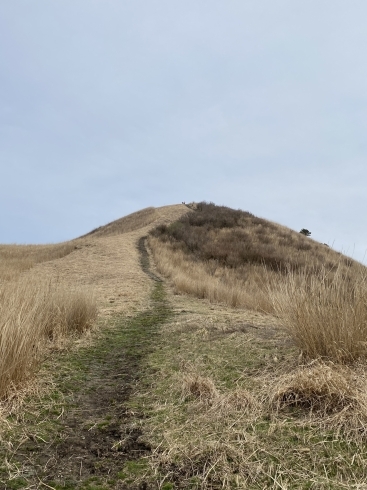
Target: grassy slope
[(212, 408), (233, 257), (238, 240)]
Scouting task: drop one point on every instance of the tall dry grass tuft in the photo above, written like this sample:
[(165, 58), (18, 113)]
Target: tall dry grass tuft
[(209, 281), (326, 314), (22, 323), (32, 313), (69, 312)]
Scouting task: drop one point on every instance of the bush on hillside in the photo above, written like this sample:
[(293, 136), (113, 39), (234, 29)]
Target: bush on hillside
[(233, 238)]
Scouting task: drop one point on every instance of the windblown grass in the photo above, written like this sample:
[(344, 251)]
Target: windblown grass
[(326, 314), (32, 314), (210, 281), (69, 312)]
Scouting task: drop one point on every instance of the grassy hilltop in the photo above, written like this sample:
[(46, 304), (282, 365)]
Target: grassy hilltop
[(186, 347), (233, 257)]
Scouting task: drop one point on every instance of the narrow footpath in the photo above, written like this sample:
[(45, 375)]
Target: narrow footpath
[(83, 437)]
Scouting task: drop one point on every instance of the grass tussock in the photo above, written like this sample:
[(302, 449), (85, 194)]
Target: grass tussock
[(32, 314), (321, 389), (326, 314), (329, 396), (22, 324), (69, 312), (199, 388)]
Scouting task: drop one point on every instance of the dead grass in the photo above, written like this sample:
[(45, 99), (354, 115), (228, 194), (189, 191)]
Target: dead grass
[(224, 413), (326, 314), (228, 403), (15, 259), (331, 397), (69, 312), (30, 315), (49, 293), (199, 387), (209, 281), (232, 257), (129, 223), (21, 329), (236, 239), (321, 389)]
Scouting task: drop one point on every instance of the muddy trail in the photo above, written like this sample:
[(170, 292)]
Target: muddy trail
[(84, 439)]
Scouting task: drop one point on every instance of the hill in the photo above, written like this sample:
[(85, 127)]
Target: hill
[(254, 379), (138, 220), (236, 239)]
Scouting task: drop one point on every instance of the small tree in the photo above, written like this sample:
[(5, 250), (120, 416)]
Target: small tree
[(305, 232)]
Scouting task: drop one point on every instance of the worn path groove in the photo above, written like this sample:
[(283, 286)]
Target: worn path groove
[(87, 446)]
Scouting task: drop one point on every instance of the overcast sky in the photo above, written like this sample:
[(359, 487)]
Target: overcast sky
[(110, 106)]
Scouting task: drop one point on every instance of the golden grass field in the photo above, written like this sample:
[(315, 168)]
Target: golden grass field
[(48, 292), (258, 379)]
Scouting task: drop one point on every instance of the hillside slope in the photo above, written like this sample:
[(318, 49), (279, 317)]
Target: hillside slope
[(178, 392), (231, 255), (106, 260)]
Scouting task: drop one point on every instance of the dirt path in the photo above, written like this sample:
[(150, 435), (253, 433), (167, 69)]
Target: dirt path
[(85, 443)]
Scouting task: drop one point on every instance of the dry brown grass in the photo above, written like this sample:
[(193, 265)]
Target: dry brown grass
[(69, 312), (320, 388), (326, 314), (328, 395), (236, 239), (229, 403), (15, 259), (51, 292), (235, 258), (199, 388), (223, 413), (31, 314), (210, 281), (232, 257), (132, 222), (21, 328)]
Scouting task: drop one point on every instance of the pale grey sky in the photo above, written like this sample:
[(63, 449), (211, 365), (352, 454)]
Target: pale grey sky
[(109, 106)]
